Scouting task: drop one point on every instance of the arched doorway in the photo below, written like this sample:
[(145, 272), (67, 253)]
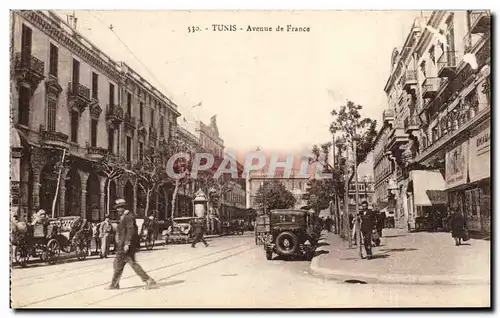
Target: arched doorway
[(93, 198), (162, 204), (73, 193), (128, 191), (112, 199), (48, 185)]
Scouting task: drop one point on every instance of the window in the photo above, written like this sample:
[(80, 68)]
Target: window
[(118, 138), (74, 126), (162, 124), (432, 54), (24, 105), (141, 111), (129, 148), (423, 68), (26, 44), (152, 117), (129, 104), (141, 150), (111, 139), (93, 132), (111, 94), (95, 86), (76, 74), (53, 60), (51, 114)]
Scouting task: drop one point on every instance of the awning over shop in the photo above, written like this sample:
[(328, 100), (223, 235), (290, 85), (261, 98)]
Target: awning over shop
[(424, 180), (324, 213), (437, 197)]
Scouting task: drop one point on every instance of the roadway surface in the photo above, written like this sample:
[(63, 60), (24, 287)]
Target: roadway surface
[(231, 273)]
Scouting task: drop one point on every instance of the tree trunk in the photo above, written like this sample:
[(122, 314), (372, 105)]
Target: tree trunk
[(174, 198), (148, 195), (108, 200)]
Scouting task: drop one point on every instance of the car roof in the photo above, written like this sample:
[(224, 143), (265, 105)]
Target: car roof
[(288, 211)]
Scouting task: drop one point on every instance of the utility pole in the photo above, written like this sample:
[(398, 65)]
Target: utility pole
[(346, 199), (358, 234)]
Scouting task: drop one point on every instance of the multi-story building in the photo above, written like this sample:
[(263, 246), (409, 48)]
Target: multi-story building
[(366, 190), (209, 138), (71, 100), (383, 170), (439, 90), (296, 183)]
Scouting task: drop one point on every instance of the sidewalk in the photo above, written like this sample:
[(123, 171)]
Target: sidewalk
[(406, 258)]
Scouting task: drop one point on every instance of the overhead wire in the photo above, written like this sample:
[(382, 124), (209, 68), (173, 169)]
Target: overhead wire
[(111, 28)]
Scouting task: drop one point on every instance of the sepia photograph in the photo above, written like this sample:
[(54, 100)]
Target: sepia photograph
[(250, 159)]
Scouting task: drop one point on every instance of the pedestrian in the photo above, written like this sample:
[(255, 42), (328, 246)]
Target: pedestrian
[(105, 232), (126, 249), (198, 228), (380, 222), (75, 227), (329, 224), (367, 225), (458, 227), (354, 224)]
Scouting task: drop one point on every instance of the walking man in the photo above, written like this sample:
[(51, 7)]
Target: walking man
[(105, 232), (125, 237), (198, 229), (367, 225)]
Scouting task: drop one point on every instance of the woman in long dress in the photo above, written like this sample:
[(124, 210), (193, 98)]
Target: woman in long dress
[(458, 227)]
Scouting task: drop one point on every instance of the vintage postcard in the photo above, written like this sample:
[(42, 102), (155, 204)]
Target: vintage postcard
[(250, 159)]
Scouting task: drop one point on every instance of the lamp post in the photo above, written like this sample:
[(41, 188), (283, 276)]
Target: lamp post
[(365, 180)]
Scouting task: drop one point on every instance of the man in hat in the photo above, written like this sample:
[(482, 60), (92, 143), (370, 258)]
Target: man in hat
[(105, 231), (125, 237), (367, 226)]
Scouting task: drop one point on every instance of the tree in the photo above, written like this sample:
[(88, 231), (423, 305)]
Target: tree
[(351, 126), (319, 193), (150, 173), (111, 166), (273, 195)]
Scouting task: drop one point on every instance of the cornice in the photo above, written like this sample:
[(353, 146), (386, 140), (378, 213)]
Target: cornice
[(40, 21)]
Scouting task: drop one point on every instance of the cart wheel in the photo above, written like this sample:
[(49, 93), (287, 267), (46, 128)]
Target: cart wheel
[(52, 251), (21, 255)]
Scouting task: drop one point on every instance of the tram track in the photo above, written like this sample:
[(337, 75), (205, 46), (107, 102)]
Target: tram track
[(81, 270), (85, 293)]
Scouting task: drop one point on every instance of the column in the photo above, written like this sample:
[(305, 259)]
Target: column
[(62, 194), (83, 205), (36, 189), (103, 211)]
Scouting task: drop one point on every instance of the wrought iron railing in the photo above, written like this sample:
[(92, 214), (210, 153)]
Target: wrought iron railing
[(29, 62), (448, 59), (77, 89)]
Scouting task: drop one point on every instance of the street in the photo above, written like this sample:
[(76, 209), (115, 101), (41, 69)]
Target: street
[(231, 273)]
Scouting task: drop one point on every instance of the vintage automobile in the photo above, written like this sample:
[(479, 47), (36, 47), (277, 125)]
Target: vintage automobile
[(290, 234), (180, 232), (262, 228)]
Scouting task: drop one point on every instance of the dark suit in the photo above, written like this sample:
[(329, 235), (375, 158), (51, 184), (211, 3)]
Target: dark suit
[(198, 229), (126, 235), (368, 222)]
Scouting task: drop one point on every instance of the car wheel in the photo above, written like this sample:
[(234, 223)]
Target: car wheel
[(287, 243), (269, 255)]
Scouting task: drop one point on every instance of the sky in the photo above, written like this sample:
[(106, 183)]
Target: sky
[(268, 89)]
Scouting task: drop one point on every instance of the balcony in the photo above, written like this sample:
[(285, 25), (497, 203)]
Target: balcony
[(96, 153), (475, 116), (78, 97), (480, 21), (409, 81), (53, 139), (447, 63), (430, 87), (29, 69), (129, 120), (397, 138), (141, 129), (388, 115), (411, 124), (114, 115)]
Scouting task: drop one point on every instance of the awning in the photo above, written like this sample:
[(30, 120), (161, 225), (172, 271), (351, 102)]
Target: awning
[(324, 213), (424, 180), (437, 197)]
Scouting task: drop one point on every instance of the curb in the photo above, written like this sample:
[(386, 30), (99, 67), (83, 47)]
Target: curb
[(343, 275)]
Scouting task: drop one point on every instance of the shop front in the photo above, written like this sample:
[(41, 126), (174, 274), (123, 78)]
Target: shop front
[(479, 192)]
